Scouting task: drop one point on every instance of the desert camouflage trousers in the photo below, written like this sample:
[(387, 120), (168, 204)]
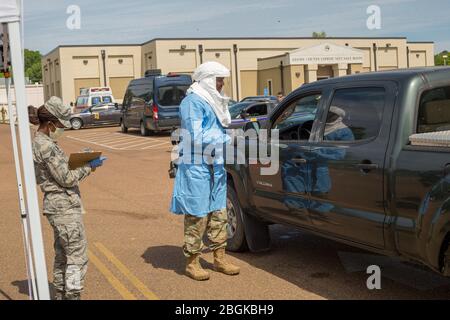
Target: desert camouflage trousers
[(215, 224), (71, 257)]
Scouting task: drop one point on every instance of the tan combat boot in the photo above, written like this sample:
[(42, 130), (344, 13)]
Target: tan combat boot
[(194, 270), (223, 266)]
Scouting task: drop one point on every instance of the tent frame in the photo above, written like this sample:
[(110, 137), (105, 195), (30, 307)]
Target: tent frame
[(35, 251)]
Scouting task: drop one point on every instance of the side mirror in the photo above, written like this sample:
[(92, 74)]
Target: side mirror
[(116, 105), (71, 104)]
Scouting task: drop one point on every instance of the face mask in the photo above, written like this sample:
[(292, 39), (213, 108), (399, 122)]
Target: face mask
[(56, 134)]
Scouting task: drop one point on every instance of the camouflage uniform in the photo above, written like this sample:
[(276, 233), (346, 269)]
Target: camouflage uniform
[(64, 209), (194, 228)]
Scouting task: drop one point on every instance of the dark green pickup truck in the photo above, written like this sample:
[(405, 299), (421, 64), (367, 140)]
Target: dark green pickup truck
[(350, 172)]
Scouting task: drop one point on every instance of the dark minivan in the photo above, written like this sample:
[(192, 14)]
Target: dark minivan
[(152, 103)]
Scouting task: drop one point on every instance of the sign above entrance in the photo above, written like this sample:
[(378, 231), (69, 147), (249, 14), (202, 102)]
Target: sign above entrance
[(326, 53)]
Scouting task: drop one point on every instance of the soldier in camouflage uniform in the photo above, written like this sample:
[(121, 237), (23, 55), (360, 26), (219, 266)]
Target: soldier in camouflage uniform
[(62, 201)]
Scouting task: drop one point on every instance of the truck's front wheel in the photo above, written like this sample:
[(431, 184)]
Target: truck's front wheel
[(236, 234)]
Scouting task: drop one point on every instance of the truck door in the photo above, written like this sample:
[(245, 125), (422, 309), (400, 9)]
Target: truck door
[(346, 164), (284, 195)]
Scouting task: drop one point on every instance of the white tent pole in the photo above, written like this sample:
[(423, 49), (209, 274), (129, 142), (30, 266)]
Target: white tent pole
[(28, 166), (23, 212)]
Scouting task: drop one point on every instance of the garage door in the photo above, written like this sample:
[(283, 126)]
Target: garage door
[(85, 83), (119, 86)]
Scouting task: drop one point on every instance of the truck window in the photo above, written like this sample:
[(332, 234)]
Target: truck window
[(258, 110), (354, 114), (296, 121), (107, 99), (434, 110)]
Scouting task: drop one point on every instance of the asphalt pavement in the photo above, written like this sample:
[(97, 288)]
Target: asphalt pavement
[(135, 243)]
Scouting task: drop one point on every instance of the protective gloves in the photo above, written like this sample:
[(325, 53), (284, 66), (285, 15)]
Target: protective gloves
[(97, 162)]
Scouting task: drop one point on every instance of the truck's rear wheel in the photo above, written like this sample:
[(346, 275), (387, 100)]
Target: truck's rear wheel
[(236, 233)]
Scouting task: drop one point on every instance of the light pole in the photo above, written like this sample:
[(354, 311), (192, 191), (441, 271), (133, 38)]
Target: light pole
[(445, 59)]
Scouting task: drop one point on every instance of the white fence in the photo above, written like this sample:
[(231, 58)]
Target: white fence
[(35, 97)]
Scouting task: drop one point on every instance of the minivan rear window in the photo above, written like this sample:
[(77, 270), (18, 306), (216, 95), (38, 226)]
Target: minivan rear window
[(171, 95)]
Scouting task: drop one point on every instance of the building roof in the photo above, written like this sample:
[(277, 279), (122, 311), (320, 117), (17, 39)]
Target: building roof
[(230, 38), (397, 74)]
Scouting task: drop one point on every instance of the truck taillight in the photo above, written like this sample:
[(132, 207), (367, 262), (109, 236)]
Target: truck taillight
[(155, 111)]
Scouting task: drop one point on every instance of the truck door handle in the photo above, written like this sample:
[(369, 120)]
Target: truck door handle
[(367, 166), (299, 160)]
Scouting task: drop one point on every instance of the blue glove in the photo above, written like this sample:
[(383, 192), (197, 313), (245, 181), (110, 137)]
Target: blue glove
[(97, 162)]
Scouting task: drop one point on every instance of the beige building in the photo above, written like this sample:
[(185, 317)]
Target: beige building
[(257, 65)]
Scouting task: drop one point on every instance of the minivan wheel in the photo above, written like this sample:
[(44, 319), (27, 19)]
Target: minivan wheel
[(123, 128), (144, 131), (76, 123), (235, 229)]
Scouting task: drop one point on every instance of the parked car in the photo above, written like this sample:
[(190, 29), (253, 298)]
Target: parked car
[(152, 103), (243, 112), (352, 174), (99, 115), (261, 98), (90, 97)]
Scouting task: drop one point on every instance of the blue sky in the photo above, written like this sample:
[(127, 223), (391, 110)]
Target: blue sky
[(137, 21)]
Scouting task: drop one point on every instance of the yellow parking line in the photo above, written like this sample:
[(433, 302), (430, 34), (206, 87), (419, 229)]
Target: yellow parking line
[(127, 273), (120, 288)]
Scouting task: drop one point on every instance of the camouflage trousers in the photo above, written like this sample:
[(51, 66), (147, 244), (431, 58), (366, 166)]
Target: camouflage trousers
[(71, 259), (215, 224)]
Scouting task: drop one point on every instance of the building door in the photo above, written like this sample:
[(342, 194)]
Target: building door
[(324, 72)]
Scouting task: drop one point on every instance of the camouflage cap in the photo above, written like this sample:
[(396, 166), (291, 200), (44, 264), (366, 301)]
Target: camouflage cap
[(55, 106)]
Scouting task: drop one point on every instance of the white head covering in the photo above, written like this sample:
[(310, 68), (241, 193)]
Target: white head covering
[(337, 124), (205, 86)]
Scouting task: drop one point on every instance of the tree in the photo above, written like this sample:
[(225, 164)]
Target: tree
[(439, 60), (321, 34), (33, 68)]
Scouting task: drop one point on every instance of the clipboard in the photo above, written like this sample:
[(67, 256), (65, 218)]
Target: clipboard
[(80, 159)]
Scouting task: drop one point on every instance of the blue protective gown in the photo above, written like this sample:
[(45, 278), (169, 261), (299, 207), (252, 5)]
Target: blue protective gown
[(200, 186)]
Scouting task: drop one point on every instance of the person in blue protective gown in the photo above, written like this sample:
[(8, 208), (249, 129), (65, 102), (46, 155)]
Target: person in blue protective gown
[(200, 188)]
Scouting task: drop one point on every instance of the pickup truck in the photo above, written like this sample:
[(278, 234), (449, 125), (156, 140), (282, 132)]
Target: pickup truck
[(348, 170)]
